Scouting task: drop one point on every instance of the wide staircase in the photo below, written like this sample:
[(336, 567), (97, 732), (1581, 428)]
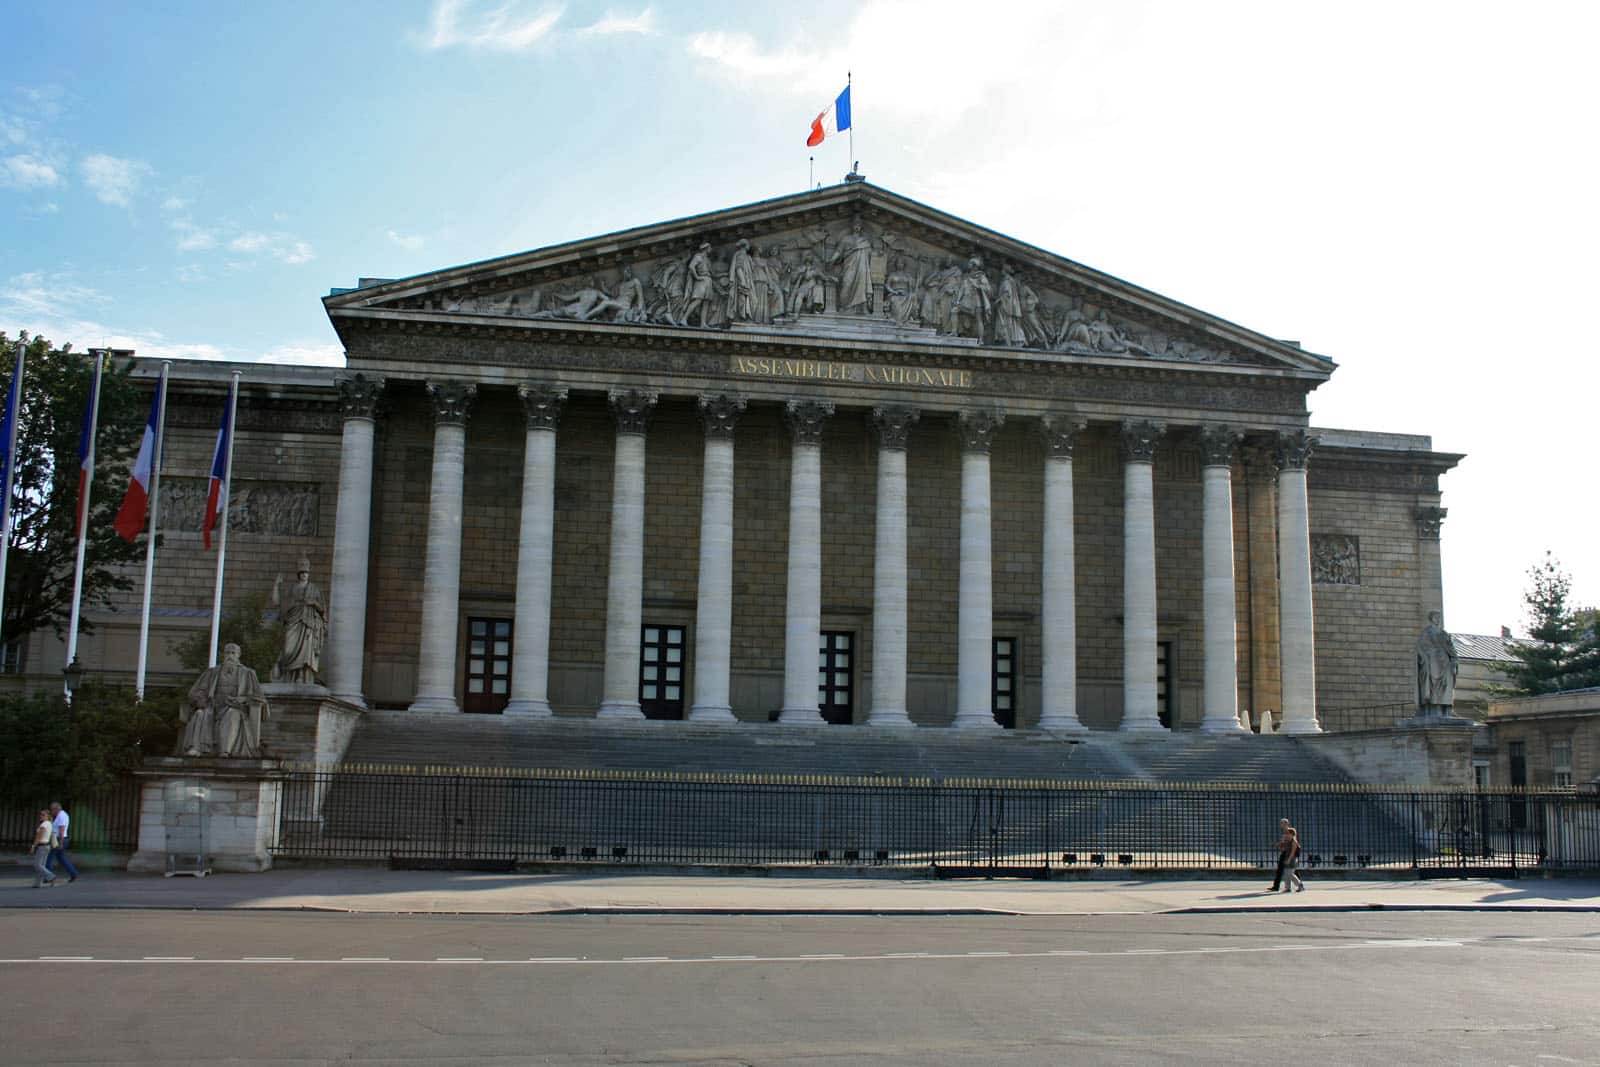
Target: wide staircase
[(406, 739)]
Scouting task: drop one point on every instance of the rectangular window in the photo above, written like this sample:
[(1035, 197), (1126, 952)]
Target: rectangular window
[(1561, 763), (835, 690), (1480, 773), (1003, 702), (488, 665), (661, 665), (11, 657)]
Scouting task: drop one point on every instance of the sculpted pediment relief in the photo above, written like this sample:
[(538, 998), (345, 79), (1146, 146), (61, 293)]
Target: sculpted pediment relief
[(862, 274)]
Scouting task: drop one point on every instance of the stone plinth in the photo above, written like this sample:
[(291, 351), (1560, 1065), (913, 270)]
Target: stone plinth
[(209, 814), (307, 724), (1424, 757)]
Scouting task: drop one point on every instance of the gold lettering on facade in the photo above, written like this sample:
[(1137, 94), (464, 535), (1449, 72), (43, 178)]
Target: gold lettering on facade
[(871, 374)]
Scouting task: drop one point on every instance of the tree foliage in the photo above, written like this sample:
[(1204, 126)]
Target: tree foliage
[(1561, 651), (44, 499), (248, 624), (50, 750)]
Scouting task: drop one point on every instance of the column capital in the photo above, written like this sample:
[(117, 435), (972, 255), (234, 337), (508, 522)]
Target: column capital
[(720, 413), (542, 404), (1430, 517), (451, 400), (893, 426), (977, 427), (1291, 451), (805, 419), (1217, 444), (358, 395), (1139, 440), (631, 408), (1060, 432)]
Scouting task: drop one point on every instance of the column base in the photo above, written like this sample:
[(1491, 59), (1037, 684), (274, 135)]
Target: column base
[(890, 718), (1061, 722), (619, 709), (712, 713), (350, 698), (801, 717), (1222, 725), (529, 708), (1299, 726), (1145, 727), (435, 704), (974, 721)]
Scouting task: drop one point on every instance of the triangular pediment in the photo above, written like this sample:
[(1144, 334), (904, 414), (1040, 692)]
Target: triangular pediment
[(851, 262)]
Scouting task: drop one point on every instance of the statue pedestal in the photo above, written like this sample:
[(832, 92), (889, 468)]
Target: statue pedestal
[(1430, 720), (311, 729), (201, 814)]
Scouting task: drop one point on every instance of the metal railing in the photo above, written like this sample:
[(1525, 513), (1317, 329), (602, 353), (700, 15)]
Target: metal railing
[(103, 821), (505, 818)]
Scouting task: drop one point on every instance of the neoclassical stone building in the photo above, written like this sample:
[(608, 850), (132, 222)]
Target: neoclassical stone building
[(832, 457)]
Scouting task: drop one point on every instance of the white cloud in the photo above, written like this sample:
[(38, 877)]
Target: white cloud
[(612, 23), (739, 54), (174, 204), (405, 241), (509, 27), (114, 180), (35, 294), (284, 247), (28, 172), (192, 238)]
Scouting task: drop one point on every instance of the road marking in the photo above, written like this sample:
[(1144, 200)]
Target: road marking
[(1370, 944)]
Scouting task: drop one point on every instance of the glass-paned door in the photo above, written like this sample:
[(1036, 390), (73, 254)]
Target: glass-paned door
[(836, 696), (1004, 675), (661, 671), (488, 665), (1164, 683)]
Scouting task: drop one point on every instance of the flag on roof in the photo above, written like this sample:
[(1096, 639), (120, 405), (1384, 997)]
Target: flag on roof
[(130, 517), (836, 119)]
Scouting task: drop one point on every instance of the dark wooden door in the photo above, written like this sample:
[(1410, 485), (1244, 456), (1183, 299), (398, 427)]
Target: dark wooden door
[(1004, 682), (836, 695), (661, 651), (488, 665)]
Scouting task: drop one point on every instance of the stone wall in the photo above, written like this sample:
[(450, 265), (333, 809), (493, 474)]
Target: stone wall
[(1421, 759)]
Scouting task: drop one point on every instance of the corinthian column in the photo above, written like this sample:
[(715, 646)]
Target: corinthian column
[(1139, 712), (713, 639), (803, 597), (352, 538), (441, 569), (619, 698), (1296, 629), (1218, 593), (975, 615), (893, 427), (530, 661), (1058, 709)]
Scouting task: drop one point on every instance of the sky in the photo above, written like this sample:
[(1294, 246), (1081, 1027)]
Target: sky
[(1408, 188)]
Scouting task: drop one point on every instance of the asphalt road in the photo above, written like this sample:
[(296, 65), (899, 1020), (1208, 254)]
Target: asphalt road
[(132, 987)]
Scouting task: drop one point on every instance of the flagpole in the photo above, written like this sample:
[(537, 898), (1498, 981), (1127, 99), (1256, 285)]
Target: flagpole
[(14, 413), (150, 542), (852, 121), (222, 512), (83, 522)]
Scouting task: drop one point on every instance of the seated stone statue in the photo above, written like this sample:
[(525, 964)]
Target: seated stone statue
[(223, 714)]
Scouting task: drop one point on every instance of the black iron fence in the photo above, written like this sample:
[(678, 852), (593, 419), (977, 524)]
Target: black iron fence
[(104, 821), (501, 819)]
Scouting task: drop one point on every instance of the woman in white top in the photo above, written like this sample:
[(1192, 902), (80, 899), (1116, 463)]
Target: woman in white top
[(42, 837)]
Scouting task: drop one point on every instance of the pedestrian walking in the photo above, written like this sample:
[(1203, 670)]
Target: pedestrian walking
[(1285, 839), (59, 822), (1291, 860), (43, 834)]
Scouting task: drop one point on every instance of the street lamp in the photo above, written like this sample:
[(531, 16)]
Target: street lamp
[(74, 675)]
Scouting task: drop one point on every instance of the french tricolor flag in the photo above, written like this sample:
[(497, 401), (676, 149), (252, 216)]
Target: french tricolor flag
[(834, 120), (130, 517), (219, 472)]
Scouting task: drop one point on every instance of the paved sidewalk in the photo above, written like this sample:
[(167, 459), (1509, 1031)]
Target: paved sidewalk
[(376, 890)]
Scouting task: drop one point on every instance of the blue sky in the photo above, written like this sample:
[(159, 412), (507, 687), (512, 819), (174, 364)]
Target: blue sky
[(1406, 188)]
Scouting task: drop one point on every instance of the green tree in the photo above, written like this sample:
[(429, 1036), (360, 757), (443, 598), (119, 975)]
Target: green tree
[(248, 624), (44, 498), (1583, 671), (1545, 661), (50, 750)]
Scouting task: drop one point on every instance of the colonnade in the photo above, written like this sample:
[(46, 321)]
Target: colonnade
[(710, 702)]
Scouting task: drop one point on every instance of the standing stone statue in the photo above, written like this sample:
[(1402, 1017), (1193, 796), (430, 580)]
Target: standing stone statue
[(305, 627), (1436, 668), (741, 284), (697, 285), (855, 274), (224, 711)]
